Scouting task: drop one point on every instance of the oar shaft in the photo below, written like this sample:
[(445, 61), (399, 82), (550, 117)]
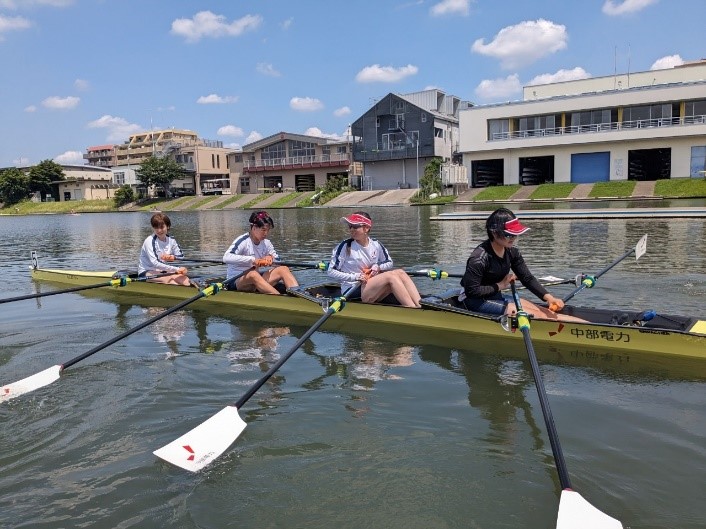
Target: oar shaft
[(132, 330), (560, 462), (53, 293), (599, 274), (331, 311)]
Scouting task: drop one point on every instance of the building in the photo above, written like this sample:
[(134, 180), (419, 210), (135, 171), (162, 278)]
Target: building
[(84, 182), (400, 134), (289, 161), (205, 162), (639, 126)]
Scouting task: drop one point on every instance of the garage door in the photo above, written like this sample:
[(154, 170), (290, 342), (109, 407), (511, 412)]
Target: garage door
[(587, 168)]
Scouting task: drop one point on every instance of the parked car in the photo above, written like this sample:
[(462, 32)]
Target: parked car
[(183, 192)]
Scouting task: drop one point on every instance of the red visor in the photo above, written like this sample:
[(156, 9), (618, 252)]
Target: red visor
[(356, 218), (514, 227)]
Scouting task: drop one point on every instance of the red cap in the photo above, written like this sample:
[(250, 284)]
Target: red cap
[(357, 218), (514, 227)]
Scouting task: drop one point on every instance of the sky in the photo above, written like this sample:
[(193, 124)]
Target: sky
[(81, 73)]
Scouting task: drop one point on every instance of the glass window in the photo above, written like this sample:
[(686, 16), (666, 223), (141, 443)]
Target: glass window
[(698, 162), (276, 151), (695, 108), (498, 129), (301, 148)]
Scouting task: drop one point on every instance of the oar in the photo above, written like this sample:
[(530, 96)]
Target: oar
[(436, 273), (46, 377), (118, 282), (320, 265), (201, 445), (589, 281), (574, 511)]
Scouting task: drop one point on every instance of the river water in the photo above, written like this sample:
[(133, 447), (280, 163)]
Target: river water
[(357, 429)]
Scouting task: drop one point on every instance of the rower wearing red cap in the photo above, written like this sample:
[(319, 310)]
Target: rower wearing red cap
[(362, 258), (495, 263)]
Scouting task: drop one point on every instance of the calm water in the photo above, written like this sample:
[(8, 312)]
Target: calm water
[(355, 430)]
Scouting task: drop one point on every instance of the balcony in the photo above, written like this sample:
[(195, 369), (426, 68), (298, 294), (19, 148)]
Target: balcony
[(296, 162), (601, 127)]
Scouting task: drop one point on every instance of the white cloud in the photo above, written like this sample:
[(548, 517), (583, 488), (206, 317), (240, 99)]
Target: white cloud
[(670, 61), (230, 130), (287, 23), (524, 43), (70, 157), (267, 69), (215, 99), (450, 7), (234, 146), (385, 74), (253, 136), (316, 132), (12, 24), (340, 112), (499, 89), (31, 108), (560, 76), (208, 24), (612, 8), (119, 129), (61, 103), (305, 104), (81, 85)]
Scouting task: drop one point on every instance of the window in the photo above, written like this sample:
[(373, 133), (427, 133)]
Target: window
[(498, 129), (301, 148), (698, 162), (119, 178), (439, 132), (341, 149), (275, 152)]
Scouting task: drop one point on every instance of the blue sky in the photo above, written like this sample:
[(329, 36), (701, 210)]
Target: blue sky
[(77, 73)]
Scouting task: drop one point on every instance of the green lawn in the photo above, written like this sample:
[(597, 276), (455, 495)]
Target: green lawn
[(228, 201), (623, 188), (551, 191), (497, 192), (681, 187)]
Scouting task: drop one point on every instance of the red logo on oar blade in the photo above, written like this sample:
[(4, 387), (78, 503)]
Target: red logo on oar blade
[(561, 328), (191, 451)]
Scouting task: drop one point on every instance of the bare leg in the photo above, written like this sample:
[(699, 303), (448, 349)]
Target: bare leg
[(281, 273), (540, 312), (252, 281), (392, 282), (172, 279)]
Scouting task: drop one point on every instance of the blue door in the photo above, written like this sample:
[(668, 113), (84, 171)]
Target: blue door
[(587, 168)]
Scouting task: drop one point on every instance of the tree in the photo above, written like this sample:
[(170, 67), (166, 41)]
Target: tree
[(124, 195), (159, 172), (431, 179), (42, 174), (14, 186)]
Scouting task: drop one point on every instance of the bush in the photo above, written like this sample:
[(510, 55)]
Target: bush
[(123, 196)]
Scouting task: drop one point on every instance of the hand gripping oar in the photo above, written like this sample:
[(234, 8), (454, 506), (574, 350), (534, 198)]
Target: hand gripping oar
[(46, 377), (118, 282), (574, 511), (589, 281), (201, 445)]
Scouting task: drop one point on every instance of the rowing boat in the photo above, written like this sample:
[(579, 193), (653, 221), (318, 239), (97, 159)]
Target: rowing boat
[(611, 332)]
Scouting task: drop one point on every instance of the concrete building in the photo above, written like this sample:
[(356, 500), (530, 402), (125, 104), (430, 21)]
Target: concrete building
[(292, 162), (84, 182), (205, 162), (400, 134), (639, 126)]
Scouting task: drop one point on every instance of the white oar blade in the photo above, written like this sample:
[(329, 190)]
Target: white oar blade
[(198, 447), (641, 247), (576, 513), (39, 380)]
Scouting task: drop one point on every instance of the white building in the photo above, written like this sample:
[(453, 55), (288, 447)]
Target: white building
[(640, 126)]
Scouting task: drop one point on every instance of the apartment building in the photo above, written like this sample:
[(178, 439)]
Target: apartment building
[(401, 133), (291, 162), (639, 126), (205, 162)]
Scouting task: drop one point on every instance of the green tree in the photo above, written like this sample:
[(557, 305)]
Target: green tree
[(430, 182), (124, 195), (42, 174), (159, 172), (14, 186)]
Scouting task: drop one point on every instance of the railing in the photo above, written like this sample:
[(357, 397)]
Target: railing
[(278, 163), (600, 127)]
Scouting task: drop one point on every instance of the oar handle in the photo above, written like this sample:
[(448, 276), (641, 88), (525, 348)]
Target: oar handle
[(320, 265), (523, 323), (434, 273), (334, 307)]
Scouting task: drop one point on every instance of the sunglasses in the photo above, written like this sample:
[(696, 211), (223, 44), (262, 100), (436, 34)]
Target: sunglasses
[(355, 226), (509, 236)]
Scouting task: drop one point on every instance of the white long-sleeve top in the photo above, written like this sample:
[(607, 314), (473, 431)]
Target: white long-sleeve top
[(152, 248), (350, 258), (242, 254)]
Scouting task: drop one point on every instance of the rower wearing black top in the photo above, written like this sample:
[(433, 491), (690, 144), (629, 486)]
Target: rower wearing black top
[(495, 263)]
